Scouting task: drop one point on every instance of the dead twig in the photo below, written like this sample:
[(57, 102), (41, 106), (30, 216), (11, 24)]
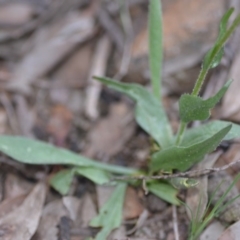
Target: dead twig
[(175, 222), (98, 69), (189, 174), (11, 114), (128, 30), (114, 31)]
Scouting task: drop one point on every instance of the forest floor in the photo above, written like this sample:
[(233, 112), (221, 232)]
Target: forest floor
[(49, 51)]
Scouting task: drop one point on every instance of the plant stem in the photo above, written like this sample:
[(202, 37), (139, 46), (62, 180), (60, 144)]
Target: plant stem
[(115, 168), (180, 133), (199, 82)]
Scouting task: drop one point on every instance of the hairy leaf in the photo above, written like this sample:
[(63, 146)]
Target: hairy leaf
[(164, 191), (205, 131), (155, 45), (37, 152), (195, 108), (110, 216), (149, 112), (182, 158)]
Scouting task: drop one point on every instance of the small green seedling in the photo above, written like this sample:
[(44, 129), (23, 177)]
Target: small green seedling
[(175, 152)]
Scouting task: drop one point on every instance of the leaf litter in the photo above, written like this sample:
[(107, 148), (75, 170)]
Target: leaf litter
[(38, 71)]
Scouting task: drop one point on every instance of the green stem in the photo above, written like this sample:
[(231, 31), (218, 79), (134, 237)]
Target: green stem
[(198, 85), (180, 133), (115, 168)]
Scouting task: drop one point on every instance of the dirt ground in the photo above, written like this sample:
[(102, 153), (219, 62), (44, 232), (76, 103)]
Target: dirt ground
[(49, 51)]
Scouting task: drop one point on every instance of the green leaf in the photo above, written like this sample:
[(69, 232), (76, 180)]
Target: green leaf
[(62, 181), (98, 176), (155, 45), (110, 216), (37, 152), (205, 131), (182, 158), (149, 112), (195, 108), (164, 191), (214, 55)]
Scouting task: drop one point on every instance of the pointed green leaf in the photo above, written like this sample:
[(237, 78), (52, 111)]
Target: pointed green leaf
[(62, 181), (98, 176), (149, 112), (155, 45), (110, 216), (164, 191), (195, 108), (205, 131), (37, 152), (182, 158), (214, 55)]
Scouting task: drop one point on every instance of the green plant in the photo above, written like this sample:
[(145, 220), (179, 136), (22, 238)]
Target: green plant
[(178, 152), (199, 223)]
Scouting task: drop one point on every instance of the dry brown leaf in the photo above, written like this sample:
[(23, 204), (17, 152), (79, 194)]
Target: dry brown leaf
[(16, 186), (3, 121), (89, 210), (22, 222), (73, 205), (15, 14), (103, 194), (213, 231), (50, 218), (231, 100), (59, 124), (110, 134), (132, 206), (231, 233), (75, 70), (44, 57)]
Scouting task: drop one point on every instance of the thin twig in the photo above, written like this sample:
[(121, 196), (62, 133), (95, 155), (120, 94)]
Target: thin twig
[(128, 31), (98, 69), (175, 222), (11, 114), (189, 174)]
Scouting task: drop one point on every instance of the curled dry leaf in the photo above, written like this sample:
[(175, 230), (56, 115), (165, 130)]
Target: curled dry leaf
[(22, 222)]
